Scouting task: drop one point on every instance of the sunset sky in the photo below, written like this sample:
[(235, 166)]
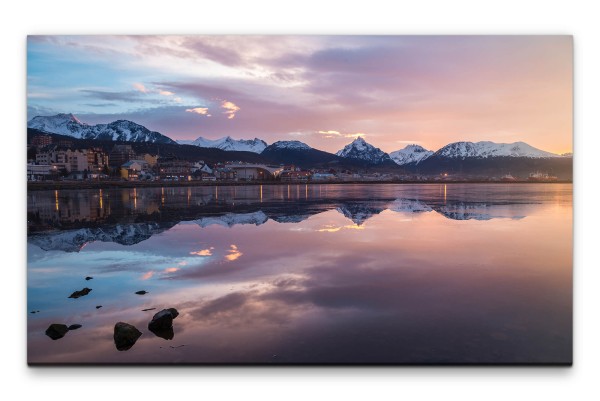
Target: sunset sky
[(321, 90)]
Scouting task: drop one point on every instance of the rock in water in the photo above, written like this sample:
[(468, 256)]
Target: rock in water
[(167, 334), (74, 326), (162, 323), (98, 306), (56, 331), (125, 336), (88, 278), (81, 293), (141, 292), (163, 319)]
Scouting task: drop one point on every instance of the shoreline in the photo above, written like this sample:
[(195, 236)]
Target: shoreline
[(44, 186)]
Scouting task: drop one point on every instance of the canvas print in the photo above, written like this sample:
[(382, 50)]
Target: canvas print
[(290, 200)]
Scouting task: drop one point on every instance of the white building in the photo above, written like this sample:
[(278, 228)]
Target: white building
[(40, 172)]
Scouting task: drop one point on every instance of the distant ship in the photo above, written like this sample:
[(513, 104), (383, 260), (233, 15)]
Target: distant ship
[(508, 177), (537, 176)]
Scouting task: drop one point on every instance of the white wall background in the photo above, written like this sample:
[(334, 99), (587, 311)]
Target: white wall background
[(323, 17)]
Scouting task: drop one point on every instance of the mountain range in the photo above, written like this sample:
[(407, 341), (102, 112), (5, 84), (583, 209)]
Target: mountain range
[(463, 157), (410, 154), (122, 230), (120, 130), (228, 144), (361, 150)]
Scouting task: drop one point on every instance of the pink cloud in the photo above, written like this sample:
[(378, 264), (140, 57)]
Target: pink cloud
[(399, 89), (203, 252), (234, 253), (230, 109), (140, 87), (148, 275), (330, 133), (199, 110)]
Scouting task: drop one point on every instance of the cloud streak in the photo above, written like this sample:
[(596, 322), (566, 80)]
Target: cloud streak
[(199, 110), (230, 109), (233, 253), (126, 96), (203, 252), (430, 89), (140, 87)]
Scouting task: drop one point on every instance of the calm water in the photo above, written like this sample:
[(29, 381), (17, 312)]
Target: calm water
[(465, 273)]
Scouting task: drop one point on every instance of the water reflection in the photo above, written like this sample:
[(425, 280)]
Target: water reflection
[(132, 215), (358, 274)]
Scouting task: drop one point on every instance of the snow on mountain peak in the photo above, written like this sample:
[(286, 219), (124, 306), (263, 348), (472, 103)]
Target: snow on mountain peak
[(486, 149), (360, 149), (69, 116), (410, 154), (227, 143), (65, 124), (120, 130), (296, 145)]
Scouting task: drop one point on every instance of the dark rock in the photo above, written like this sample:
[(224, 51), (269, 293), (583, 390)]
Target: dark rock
[(81, 293), (125, 336), (167, 334), (88, 278), (35, 311), (164, 318), (141, 292), (146, 310), (74, 326), (98, 306), (162, 323), (56, 331)]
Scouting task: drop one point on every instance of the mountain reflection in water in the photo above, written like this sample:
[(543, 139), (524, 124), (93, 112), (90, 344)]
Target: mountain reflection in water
[(67, 220), (462, 273)]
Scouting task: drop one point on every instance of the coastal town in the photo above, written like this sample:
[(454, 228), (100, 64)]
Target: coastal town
[(298, 200), (57, 160)]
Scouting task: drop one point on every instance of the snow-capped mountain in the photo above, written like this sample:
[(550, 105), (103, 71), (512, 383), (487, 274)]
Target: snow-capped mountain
[(299, 154), (402, 205), (359, 212), (231, 219), (120, 130), (476, 211), (64, 124), (295, 145), (360, 149), (410, 154), (75, 240), (291, 218), (457, 210), (485, 149), (228, 144)]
